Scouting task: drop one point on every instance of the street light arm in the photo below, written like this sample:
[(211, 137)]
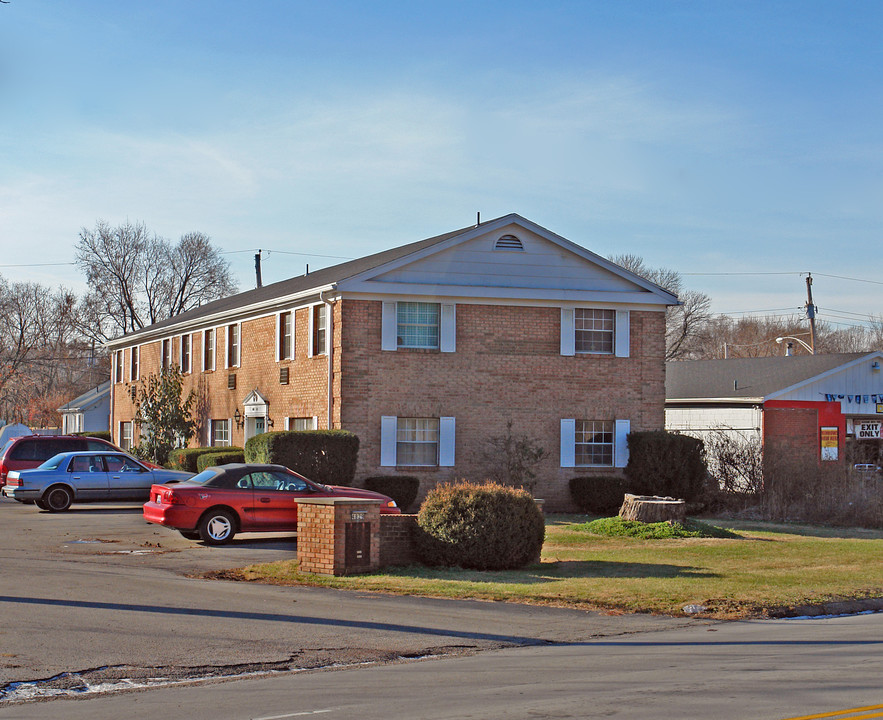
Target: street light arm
[(789, 337)]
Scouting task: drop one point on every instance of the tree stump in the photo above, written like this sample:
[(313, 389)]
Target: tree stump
[(651, 509)]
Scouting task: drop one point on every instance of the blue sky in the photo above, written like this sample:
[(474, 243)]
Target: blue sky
[(709, 137)]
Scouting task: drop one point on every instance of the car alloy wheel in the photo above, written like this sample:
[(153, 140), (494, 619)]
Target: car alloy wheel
[(217, 527)]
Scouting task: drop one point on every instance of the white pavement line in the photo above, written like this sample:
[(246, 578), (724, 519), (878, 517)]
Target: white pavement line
[(297, 714)]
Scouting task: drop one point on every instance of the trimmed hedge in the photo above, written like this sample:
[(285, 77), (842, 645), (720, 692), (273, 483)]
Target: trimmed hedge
[(222, 457), (401, 488), (101, 435), (599, 494), (482, 527), (187, 459), (326, 456), (664, 463)]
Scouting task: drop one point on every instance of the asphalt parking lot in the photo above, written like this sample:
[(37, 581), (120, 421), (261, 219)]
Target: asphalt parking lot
[(96, 595)]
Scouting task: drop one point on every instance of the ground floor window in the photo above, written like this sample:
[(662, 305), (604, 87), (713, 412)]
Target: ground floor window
[(594, 443), (126, 436), (220, 433), (417, 441), (302, 423)]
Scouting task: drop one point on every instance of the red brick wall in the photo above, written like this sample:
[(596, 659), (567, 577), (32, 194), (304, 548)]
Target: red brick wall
[(790, 433), (507, 366)]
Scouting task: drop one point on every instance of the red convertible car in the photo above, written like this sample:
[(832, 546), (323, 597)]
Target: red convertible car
[(221, 501)]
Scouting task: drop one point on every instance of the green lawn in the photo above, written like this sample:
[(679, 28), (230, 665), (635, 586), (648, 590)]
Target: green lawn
[(763, 568)]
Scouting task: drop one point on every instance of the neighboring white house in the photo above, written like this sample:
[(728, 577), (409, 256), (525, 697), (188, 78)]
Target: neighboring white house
[(90, 412), (812, 405)]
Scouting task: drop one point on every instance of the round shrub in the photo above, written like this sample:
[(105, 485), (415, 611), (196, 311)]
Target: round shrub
[(600, 494), (482, 527), (222, 457), (401, 488)]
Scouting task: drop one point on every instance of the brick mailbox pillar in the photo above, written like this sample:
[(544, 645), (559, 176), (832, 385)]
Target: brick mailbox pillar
[(338, 536)]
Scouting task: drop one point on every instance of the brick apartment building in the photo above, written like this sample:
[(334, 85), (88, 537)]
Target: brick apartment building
[(426, 351)]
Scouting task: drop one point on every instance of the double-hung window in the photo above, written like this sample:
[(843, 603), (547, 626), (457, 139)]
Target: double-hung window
[(233, 349), (208, 349), (166, 360), (134, 363), (220, 432), (408, 324), (318, 330), (118, 366), (301, 423), (185, 353), (595, 331), (417, 325), (594, 443), (126, 439), (285, 336), (417, 441)]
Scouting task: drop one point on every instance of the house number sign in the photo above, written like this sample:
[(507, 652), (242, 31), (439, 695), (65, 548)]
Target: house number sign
[(357, 515)]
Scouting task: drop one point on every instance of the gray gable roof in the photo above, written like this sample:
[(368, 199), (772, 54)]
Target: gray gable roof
[(292, 286), (309, 286), (88, 398), (743, 379)]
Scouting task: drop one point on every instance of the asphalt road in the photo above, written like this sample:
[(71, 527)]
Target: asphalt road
[(97, 599)]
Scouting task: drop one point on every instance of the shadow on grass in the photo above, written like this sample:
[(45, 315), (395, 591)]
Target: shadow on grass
[(802, 529), (552, 571)]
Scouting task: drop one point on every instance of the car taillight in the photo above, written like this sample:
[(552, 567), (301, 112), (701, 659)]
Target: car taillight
[(14, 481), (168, 497)]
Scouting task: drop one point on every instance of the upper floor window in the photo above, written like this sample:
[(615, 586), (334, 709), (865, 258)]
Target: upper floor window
[(118, 366), (134, 363), (208, 349), (417, 325), (185, 353), (319, 319), (233, 350), (594, 330), (285, 335), (166, 361)]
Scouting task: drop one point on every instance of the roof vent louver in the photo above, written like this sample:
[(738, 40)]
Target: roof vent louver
[(509, 242)]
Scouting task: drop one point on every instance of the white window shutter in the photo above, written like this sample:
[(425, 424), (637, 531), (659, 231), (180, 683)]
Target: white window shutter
[(448, 329), (622, 333), (211, 434), (278, 337), (568, 443), (446, 441), (568, 344), (311, 351), (621, 443), (389, 325), (315, 422), (388, 425), (287, 424)]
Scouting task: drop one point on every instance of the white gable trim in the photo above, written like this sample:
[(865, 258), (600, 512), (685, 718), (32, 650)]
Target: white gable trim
[(875, 355)]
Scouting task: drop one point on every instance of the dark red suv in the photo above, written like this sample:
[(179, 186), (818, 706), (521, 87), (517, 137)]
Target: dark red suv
[(29, 451)]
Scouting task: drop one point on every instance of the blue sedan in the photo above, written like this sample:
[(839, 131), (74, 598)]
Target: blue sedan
[(86, 477)]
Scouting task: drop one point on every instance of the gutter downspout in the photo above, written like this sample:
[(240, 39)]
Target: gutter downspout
[(329, 343)]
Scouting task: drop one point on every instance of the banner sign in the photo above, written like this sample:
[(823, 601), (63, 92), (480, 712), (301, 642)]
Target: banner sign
[(875, 399)]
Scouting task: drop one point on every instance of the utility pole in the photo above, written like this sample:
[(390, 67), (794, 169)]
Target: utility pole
[(811, 313)]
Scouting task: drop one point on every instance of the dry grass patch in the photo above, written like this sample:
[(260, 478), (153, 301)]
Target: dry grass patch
[(762, 569)]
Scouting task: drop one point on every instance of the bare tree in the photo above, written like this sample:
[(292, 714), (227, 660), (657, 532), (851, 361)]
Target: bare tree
[(43, 361), (137, 278), (685, 324)]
